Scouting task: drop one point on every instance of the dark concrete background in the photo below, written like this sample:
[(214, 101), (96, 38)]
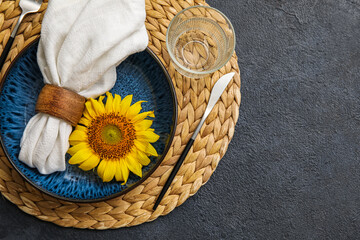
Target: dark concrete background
[(292, 170)]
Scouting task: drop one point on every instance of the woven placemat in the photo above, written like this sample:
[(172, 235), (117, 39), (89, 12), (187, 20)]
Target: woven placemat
[(135, 207)]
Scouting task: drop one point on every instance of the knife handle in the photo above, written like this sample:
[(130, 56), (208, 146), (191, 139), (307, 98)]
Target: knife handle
[(173, 173), (6, 52)]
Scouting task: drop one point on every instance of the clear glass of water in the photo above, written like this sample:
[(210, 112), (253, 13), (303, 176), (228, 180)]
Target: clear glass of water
[(200, 40)]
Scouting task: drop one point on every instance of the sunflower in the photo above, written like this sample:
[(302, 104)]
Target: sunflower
[(114, 137)]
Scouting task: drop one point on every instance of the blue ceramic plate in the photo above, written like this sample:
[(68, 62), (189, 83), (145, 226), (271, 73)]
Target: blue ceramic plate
[(141, 74)]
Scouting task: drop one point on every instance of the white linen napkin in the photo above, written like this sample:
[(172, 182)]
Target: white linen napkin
[(81, 43)]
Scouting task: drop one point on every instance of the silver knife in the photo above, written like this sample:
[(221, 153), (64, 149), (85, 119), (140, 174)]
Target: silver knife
[(216, 92)]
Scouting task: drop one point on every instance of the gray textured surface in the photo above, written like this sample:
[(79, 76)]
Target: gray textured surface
[(292, 170)]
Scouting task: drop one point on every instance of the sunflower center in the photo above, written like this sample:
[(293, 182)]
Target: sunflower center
[(111, 136)]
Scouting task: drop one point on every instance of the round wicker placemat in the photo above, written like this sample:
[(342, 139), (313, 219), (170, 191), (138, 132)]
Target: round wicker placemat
[(135, 207)]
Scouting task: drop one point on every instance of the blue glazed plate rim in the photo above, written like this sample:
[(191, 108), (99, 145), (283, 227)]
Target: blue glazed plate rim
[(148, 174)]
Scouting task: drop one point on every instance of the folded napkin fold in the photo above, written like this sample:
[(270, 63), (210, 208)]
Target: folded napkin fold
[(81, 43)]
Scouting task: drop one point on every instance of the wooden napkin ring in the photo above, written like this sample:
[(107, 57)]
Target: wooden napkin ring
[(60, 102)]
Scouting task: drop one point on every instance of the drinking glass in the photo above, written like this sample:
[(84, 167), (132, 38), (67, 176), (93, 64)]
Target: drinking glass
[(200, 40)]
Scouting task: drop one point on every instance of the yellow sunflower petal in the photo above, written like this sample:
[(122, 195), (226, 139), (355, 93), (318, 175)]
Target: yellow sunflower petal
[(109, 102), (85, 121), (100, 100), (140, 145), (117, 102), (133, 165), (134, 109), (81, 128), (142, 116), (145, 147), (98, 107), (90, 163), (124, 170), (101, 168), (151, 150), (74, 149), (118, 173), (80, 156), (142, 158), (89, 110), (87, 114), (125, 104), (77, 137), (143, 125), (110, 170), (149, 136)]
